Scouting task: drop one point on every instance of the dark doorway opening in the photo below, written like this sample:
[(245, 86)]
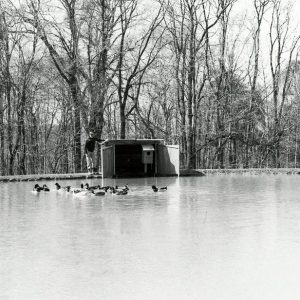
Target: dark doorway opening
[(128, 162)]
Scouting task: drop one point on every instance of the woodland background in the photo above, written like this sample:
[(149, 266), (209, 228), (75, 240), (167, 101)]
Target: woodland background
[(219, 80)]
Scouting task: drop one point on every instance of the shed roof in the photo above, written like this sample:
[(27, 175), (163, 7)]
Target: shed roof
[(133, 142), (148, 147)]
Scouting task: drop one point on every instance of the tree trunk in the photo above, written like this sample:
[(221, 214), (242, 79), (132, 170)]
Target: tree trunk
[(2, 155), (123, 122), (77, 124), (21, 133)]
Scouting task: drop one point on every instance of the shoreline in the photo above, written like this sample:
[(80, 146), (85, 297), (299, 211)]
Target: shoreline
[(183, 173), (39, 177), (250, 171)]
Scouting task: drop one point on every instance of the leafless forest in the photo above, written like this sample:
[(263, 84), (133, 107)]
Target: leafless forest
[(219, 80)]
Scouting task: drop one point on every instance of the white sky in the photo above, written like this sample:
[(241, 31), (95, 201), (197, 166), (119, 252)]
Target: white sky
[(246, 8)]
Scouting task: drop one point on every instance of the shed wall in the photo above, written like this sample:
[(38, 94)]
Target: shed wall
[(108, 161), (168, 160)]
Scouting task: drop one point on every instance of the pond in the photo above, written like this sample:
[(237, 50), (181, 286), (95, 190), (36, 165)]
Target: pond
[(214, 237)]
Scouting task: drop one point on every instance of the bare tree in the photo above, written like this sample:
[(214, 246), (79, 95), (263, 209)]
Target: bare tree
[(280, 41), (260, 7), (190, 24), (17, 74), (134, 57), (66, 59), (99, 22), (3, 34)]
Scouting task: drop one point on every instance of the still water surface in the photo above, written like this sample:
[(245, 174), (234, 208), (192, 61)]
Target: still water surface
[(215, 237)]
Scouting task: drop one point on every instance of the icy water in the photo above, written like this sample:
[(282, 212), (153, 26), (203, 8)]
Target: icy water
[(215, 237)]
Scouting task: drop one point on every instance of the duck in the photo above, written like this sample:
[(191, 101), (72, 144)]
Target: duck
[(37, 188), (98, 192), (105, 188), (122, 192), (95, 190), (157, 189), (60, 188), (123, 188), (82, 193), (95, 187), (45, 188), (115, 191), (77, 190)]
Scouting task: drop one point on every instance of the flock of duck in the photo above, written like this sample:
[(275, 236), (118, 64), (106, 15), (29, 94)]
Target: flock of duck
[(87, 190)]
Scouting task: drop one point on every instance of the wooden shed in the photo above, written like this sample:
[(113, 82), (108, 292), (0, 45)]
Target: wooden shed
[(137, 158)]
